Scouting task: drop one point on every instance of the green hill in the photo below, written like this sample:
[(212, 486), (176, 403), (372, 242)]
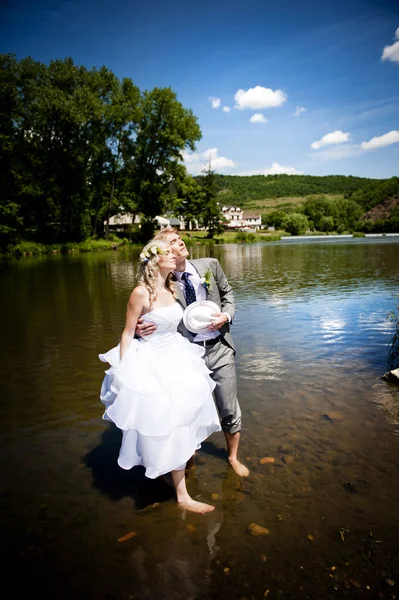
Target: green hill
[(250, 191), (330, 203)]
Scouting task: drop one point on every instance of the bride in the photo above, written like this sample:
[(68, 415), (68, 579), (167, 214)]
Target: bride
[(158, 390)]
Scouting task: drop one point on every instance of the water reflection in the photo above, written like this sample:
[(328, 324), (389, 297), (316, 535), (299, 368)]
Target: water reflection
[(260, 365), (311, 336)]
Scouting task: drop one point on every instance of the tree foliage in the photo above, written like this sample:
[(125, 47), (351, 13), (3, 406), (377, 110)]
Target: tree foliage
[(78, 145), (347, 214), (210, 214), (235, 189), (296, 224)]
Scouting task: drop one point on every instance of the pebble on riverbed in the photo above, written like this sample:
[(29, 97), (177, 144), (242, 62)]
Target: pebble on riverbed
[(257, 530), (267, 460)]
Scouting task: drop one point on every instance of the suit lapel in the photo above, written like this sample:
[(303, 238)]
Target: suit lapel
[(179, 293), (201, 267)]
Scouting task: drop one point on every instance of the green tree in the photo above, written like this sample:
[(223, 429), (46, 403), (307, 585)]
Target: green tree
[(296, 224), (189, 200), (165, 130), (318, 207), (326, 224), (275, 218), (210, 215), (10, 217), (122, 115)]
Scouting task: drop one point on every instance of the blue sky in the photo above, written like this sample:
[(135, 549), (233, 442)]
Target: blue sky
[(312, 87)]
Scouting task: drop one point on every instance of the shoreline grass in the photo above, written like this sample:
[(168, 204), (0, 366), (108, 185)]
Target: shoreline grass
[(26, 248), (191, 238)]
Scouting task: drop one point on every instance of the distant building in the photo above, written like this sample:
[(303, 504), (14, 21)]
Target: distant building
[(169, 222), (253, 220), (233, 215), (238, 219), (123, 221)]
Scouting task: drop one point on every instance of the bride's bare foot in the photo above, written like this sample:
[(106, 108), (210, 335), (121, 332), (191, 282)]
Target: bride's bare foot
[(197, 507), (239, 468)]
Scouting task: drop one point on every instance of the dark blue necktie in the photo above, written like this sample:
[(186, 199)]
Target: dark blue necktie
[(190, 291)]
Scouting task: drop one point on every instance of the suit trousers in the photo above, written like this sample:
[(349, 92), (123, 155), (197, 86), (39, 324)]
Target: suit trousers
[(220, 359)]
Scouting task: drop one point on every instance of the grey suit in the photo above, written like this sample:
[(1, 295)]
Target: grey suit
[(219, 357)]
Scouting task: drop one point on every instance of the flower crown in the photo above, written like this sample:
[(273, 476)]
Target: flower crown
[(151, 251)]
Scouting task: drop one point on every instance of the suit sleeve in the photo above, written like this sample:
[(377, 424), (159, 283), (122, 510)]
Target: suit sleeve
[(225, 289)]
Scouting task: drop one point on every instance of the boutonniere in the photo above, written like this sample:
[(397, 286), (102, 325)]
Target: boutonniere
[(206, 279)]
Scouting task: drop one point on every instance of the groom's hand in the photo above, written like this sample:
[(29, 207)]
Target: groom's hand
[(144, 328), (218, 320)]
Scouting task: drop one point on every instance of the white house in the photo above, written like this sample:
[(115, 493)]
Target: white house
[(253, 220), (237, 218), (122, 221), (234, 215)]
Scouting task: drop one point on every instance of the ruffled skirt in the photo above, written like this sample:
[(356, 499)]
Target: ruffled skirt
[(160, 396)]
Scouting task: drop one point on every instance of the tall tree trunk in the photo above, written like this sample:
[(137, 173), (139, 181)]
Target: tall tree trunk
[(110, 203)]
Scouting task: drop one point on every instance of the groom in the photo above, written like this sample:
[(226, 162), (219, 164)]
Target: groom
[(217, 341)]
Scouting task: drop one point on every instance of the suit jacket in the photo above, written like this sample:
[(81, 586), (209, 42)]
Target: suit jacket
[(220, 292)]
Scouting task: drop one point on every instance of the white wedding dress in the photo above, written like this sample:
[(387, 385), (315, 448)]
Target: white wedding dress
[(160, 396)]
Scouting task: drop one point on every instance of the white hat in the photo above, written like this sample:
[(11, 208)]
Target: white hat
[(198, 315)]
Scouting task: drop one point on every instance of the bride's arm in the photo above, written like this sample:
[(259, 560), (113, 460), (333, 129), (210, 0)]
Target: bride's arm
[(138, 301)]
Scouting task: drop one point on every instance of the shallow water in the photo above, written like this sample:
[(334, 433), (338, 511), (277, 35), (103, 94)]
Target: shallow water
[(311, 335)]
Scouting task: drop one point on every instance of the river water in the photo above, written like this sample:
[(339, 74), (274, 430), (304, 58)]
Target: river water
[(312, 342)]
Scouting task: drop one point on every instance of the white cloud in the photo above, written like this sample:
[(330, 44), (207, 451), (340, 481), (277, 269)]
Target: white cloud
[(196, 163), (299, 110), (275, 169), (226, 109), (383, 140), (392, 52), (337, 153), (210, 154), (336, 137), (190, 158), (216, 102), (258, 118), (221, 162), (259, 97)]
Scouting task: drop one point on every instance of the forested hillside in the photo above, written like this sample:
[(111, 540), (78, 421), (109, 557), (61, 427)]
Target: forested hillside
[(241, 190), (299, 203)]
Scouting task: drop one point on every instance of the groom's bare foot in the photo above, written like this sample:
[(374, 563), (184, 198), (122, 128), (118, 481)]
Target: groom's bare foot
[(239, 468), (197, 507)]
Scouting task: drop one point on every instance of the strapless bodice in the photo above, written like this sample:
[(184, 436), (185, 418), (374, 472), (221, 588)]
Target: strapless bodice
[(166, 318)]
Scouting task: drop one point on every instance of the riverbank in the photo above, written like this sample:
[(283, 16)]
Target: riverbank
[(25, 248)]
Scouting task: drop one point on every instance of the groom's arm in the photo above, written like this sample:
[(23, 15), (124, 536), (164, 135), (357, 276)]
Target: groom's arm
[(225, 289)]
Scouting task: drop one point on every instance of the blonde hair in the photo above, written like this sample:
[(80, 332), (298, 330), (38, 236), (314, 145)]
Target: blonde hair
[(164, 233), (148, 268)]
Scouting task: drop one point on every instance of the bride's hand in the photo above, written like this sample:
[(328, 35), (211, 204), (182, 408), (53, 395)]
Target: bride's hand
[(144, 328)]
